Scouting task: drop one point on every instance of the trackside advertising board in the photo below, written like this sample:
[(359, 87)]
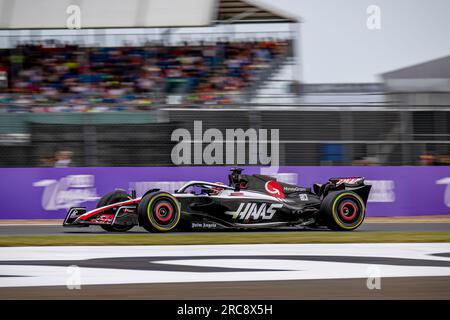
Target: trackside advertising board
[(46, 193)]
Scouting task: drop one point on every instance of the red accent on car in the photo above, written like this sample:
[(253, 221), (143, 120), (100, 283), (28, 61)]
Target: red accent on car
[(353, 213), (89, 214), (104, 219), (274, 189), (168, 207)]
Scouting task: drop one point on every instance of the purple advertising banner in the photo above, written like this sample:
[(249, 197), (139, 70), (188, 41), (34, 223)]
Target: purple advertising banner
[(46, 193)]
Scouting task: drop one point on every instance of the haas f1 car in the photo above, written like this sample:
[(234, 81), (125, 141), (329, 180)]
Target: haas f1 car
[(247, 202)]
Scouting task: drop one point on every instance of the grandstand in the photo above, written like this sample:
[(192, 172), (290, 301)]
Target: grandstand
[(153, 63), (201, 73)]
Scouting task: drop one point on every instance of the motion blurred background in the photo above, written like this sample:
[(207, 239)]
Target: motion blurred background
[(92, 90), (112, 92)]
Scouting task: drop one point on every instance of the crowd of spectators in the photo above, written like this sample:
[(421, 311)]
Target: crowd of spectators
[(433, 159), (86, 77)]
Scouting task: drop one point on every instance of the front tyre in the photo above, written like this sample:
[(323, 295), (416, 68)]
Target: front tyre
[(343, 210), (159, 212), (110, 198)]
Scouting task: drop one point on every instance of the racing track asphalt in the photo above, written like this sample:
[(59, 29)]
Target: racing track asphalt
[(27, 230), (436, 288)]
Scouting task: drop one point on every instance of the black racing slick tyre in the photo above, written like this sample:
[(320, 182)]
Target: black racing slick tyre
[(110, 198), (159, 212), (342, 210)]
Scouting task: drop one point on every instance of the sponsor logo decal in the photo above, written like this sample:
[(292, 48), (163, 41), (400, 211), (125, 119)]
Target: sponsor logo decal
[(204, 225), (348, 181), (104, 219), (274, 189), (382, 190), (67, 192), (447, 190), (293, 189), (255, 211), (143, 186)]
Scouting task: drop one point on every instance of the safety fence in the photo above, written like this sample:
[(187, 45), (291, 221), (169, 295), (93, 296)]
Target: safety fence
[(325, 135)]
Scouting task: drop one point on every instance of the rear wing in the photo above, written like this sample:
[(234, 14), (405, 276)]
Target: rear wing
[(348, 182), (355, 184)]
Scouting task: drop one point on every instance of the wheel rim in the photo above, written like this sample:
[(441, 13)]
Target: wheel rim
[(348, 211), (163, 213)]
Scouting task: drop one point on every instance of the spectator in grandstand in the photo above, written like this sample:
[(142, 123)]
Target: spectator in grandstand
[(47, 160), (428, 160), (366, 161), (444, 160), (63, 159), (61, 74), (432, 159)]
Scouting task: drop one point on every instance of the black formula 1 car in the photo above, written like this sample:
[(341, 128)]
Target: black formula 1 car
[(248, 202)]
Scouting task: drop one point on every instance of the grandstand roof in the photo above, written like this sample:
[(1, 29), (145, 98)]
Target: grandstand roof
[(54, 14), (249, 11), (430, 76), (437, 68)]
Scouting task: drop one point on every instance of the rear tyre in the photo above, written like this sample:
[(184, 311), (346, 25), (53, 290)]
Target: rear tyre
[(159, 212), (110, 198), (342, 210)]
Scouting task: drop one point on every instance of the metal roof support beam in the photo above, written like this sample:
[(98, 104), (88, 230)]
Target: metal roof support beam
[(240, 16)]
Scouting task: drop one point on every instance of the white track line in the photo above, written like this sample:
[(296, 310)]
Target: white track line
[(296, 269)]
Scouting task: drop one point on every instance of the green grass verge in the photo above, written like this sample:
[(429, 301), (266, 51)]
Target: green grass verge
[(224, 238)]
